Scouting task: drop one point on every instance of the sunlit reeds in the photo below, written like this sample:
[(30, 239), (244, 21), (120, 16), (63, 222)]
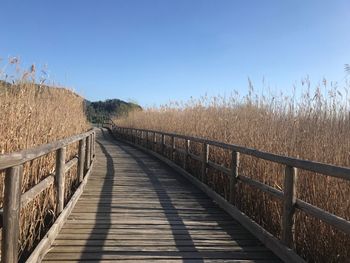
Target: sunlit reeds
[(311, 124), (32, 115)]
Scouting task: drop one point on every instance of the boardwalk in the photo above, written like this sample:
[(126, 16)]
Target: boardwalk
[(135, 208)]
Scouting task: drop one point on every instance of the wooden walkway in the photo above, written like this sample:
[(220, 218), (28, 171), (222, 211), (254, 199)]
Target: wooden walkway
[(134, 208)]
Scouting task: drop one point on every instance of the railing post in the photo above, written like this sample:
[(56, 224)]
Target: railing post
[(172, 155), (147, 139), (92, 145), (154, 141), (87, 153), (94, 142), (142, 140), (289, 199), (11, 216), (234, 175), (59, 178), (81, 156), (205, 158), (187, 149), (163, 144)]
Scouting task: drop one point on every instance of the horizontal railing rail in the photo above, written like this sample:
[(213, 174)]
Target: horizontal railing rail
[(147, 139), (12, 164)]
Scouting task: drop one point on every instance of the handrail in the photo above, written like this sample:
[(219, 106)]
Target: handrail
[(13, 163), (18, 158), (313, 166), (288, 196)]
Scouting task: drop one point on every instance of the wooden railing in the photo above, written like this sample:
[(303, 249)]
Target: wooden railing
[(284, 247), (13, 198)]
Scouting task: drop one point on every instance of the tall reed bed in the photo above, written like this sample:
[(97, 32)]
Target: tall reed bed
[(32, 115), (313, 126)]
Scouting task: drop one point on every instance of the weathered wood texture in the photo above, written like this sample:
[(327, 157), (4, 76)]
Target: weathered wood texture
[(135, 208), (12, 207)]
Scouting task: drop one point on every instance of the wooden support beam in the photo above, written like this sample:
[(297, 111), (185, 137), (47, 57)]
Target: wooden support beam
[(187, 149), (59, 178), (289, 200), (11, 214), (147, 141), (234, 175), (163, 144), (172, 154), (142, 140), (205, 159), (93, 144), (81, 160), (154, 141), (87, 152)]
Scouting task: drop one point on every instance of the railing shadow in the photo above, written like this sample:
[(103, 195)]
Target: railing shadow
[(102, 226), (235, 233), (99, 234), (166, 204)]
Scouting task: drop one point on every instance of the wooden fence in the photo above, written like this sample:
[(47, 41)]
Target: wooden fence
[(284, 247), (13, 198)]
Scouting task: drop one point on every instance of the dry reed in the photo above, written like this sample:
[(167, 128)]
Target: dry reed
[(33, 115), (314, 126)]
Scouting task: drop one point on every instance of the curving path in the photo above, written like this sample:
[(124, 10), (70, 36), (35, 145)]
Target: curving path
[(135, 208)]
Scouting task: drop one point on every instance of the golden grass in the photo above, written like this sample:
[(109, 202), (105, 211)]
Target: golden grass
[(33, 115), (312, 126)]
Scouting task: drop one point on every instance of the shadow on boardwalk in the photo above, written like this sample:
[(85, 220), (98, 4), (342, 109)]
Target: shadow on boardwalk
[(135, 208), (105, 202)]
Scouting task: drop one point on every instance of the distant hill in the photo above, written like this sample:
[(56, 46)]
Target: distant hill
[(98, 111)]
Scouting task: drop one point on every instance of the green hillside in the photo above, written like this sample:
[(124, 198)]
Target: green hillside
[(98, 111)]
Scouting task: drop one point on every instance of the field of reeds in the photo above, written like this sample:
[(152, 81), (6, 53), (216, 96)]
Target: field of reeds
[(310, 123), (32, 115)]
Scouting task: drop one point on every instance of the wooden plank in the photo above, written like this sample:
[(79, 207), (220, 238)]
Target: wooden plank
[(154, 242), (196, 157), (261, 186), (70, 164), (174, 261), (149, 231), (220, 168), (333, 220), (28, 196), (125, 248), (11, 214), (141, 255)]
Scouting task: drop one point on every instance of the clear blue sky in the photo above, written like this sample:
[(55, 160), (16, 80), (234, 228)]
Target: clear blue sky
[(156, 51)]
